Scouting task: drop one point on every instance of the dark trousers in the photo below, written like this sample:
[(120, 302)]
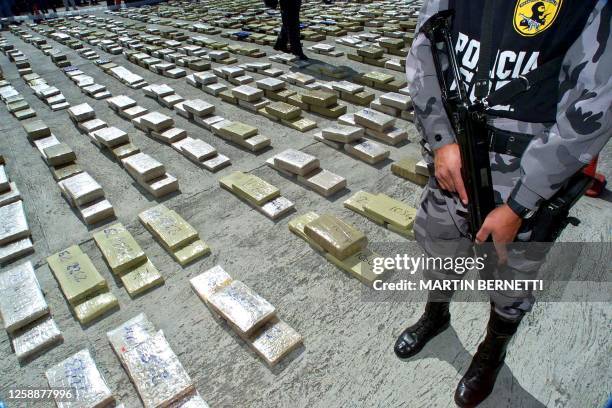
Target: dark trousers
[(290, 31)]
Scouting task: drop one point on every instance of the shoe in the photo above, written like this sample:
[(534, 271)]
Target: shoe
[(434, 321), (302, 56), (479, 379)]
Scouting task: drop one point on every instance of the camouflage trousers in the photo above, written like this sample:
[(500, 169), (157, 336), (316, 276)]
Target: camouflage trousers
[(441, 229)]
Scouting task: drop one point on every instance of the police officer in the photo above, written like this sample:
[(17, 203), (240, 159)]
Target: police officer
[(562, 123), (290, 30)]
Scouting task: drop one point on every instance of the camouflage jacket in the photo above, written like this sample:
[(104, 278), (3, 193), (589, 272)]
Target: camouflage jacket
[(558, 150)]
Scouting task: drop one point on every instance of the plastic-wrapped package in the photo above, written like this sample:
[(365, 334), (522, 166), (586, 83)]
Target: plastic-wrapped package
[(21, 300), (130, 334), (142, 278), (210, 281), (157, 372), (255, 190), (169, 227), (96, 307), (76, 274), (35, 338), (79, 372), (13, 223), (335, 236), (241, 307), (119, 248), (275, 340), (392, 211)]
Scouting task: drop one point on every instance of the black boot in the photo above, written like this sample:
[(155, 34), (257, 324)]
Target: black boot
[(434, 321), (479, 380)]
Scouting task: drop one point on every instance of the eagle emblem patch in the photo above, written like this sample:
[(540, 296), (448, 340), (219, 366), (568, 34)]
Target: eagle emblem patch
[(531, 17)]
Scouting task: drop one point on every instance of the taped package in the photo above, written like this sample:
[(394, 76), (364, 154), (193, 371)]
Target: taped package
[(79, 373), (130, 334), (335, 236), (120, 249), (77, 276), (21, 299), (157, 372), (36, 337)]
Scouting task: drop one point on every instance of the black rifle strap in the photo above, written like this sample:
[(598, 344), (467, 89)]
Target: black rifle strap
[(506, 93), (486, 50)]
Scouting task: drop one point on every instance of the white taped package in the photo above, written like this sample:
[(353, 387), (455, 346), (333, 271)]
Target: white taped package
[(157, 372), (79, 372), (21, 300), (35, 338), (130, 334)]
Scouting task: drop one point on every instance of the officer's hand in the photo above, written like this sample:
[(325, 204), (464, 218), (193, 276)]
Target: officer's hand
[(447, 161), (502, 224)]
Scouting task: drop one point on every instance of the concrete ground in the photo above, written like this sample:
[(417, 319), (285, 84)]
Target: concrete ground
[(559, 358)]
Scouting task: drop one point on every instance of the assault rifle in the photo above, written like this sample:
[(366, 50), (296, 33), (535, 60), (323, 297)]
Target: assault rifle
[(473, 137), (468, 120)]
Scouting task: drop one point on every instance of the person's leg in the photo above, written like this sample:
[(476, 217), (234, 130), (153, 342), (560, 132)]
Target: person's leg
[(282, 39), (293, 26), (440, 235)]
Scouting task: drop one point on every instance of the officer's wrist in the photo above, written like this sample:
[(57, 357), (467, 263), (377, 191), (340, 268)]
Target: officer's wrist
[(518, 209)]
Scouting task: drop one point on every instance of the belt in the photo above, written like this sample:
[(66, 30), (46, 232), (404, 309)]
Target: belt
[(510, 143)]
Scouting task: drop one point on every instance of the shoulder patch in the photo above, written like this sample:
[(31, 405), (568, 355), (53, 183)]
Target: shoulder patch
[(531, 17)]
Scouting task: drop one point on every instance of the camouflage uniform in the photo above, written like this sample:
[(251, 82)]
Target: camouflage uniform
[(558, 150)]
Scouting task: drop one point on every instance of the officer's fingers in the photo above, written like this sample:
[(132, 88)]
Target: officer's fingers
[(458, 181), (483, 234)]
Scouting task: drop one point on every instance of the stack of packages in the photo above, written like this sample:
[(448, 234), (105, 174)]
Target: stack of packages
[(59, 59), (179, 238), (413, 169), (234, 75), (15, 235), (86, 195), (21, 62), (127, 260), (305, 169), (319, 102), (150, 174), (247, 97), (252, 317), (393, 214), (263, 68), (86, 83), (369, 55), (393, 46), (380, 81), (280, 111), (340, 243), (350, 92), (77, 187), (15, 102), (241, 134), (263, 196), (326, 49), (155, 370), (206, 81), (222, 57), (50, 95), (394, 104), (83, 287), (377, 125), (79, 375), (115, 140), (350, 138), (25, 312), (163, 94), (168, 69), (126, 76), (160, 127)]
